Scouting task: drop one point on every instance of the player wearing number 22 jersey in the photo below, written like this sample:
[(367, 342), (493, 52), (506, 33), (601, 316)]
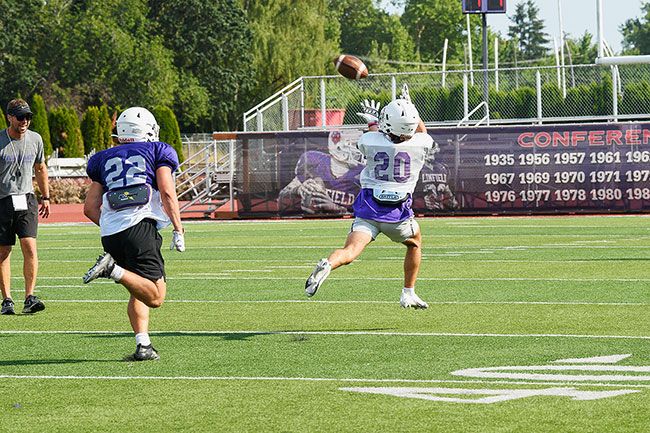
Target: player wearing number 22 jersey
[(395, 154), (131, 197), (126, 165)]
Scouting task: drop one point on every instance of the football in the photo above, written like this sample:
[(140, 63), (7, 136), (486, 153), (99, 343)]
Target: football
[(350, 67)]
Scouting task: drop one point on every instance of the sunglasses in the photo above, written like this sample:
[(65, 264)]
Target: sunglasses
[(22, 117)]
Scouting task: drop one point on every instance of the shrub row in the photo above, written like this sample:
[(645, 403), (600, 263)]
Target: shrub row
[(437, 104)]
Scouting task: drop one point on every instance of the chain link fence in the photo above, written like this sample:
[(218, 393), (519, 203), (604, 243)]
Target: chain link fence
[(516, 95)]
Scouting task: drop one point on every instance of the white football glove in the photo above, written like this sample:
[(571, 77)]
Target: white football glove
[(178, 241), (405, 93), (369, 111)]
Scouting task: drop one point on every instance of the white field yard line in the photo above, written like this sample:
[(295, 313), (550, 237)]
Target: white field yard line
[(440, 258), (225, 276), (311, 301), (379, 246), (327, 333), (320, 379)]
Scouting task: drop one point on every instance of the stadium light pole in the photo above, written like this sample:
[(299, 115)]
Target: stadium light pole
[(599, 18), (486, 93), (559, 12)]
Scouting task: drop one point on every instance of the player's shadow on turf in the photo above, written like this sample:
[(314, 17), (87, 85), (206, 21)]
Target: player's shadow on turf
[(16, 362)]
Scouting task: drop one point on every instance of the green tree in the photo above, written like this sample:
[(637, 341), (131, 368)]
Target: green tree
[(528, 30), (430, 22), (582, 50), (169, 131), (636, 32), (22, 34), (288, 42), (91, 130), (211, 42), (66, 133), (370, 32), (39, 123)]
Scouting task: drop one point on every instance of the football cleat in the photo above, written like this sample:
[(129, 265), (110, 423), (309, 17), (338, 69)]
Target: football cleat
[(322, 270), (145, 353), (33, 305), (101, 269), (412, 301), (7, 306)]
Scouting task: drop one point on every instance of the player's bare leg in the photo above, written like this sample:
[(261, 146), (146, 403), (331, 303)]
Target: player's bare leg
[(139, 317), (355, 243), (354, 246), (150, 293), (412, 261)]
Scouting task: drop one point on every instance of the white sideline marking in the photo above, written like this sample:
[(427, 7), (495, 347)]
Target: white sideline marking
[(349, 333), (312, 301), (313, 379)]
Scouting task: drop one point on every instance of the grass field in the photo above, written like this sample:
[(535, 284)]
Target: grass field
[(243, 350)]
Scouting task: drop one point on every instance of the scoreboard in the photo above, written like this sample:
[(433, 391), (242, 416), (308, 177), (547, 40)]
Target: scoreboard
[(484, 6)]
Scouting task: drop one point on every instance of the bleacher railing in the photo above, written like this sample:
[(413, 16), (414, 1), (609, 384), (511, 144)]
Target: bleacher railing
[(532, 95)]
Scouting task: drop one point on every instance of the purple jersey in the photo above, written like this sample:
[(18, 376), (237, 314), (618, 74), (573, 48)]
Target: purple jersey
[(129, 165), (366, 207), (317, 165)]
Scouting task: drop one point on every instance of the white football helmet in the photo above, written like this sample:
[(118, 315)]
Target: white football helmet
[(137, 124), (343, 150), (400, 117)]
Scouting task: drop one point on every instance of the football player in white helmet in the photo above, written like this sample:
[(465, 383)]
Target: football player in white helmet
[(132, 196), (395, 148), (325, 182)]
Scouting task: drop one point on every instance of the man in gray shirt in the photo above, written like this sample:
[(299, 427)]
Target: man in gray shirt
[(21, 158)]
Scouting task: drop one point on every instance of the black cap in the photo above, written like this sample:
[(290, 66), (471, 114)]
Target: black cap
[(18, 109)]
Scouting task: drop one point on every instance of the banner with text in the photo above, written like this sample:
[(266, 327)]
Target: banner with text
[(487, 170)]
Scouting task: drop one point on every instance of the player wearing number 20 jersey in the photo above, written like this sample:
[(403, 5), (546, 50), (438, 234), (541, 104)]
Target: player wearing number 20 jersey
[(395, 154), (128, 165), (392, 169)]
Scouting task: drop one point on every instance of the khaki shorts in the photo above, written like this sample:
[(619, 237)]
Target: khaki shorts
[(397, 232)]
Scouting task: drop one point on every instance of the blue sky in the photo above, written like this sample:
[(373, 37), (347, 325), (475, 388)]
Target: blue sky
[(578, 15)]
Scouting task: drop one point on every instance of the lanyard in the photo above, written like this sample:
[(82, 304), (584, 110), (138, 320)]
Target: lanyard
[(17, 163)]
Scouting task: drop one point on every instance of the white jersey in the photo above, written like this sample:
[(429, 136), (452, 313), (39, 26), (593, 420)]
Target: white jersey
[(393, 166)]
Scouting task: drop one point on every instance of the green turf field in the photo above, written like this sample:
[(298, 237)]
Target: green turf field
[(243, 350)]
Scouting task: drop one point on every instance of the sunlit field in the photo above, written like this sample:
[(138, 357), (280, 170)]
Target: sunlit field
[(534, 325)]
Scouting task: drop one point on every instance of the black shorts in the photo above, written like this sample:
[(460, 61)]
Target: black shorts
[(137, 249), (23, 223)]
